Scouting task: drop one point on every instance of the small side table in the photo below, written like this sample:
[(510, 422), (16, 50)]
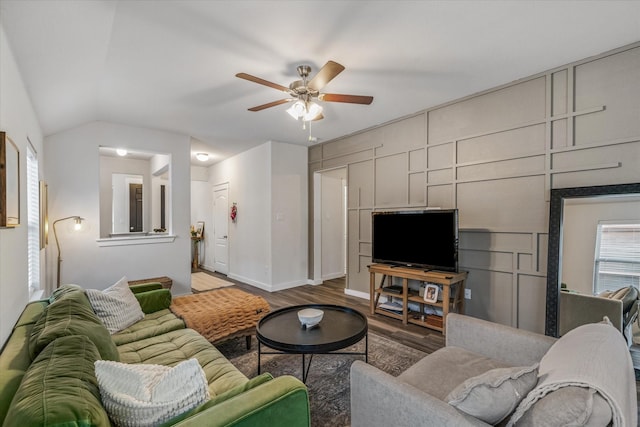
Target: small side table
[(196, 258), (165, 281)]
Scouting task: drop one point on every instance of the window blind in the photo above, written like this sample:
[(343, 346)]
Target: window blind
[(33, 220), (617, 261)]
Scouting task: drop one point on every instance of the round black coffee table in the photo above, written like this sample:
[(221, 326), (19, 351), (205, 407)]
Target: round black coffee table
[(340, 327)]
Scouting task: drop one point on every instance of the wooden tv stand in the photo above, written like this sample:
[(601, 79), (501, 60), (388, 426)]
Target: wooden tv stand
[(446, 279)]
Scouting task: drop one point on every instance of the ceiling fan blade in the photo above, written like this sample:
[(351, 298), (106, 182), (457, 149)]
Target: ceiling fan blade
[(318, 117), (270, 104), (325, 75), (351, 99), (262, 81)]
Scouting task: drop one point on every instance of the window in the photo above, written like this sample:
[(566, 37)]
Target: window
[(617, 262), (33, 220)]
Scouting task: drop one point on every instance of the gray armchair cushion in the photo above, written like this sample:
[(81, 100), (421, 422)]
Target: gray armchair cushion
[(492, 396), (443, 370), (572, 406)]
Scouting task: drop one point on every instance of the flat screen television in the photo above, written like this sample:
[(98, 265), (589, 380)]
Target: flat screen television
[(426, 239)]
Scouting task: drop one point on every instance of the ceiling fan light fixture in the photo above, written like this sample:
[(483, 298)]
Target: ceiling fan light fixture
[(313, 111), (297, 110), (203, 157), (304, 110)]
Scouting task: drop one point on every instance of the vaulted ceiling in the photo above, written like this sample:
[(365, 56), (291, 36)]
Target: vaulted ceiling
[(171, 65)]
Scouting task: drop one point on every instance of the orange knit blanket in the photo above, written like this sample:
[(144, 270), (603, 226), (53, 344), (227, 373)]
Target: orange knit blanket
[(220, 313)]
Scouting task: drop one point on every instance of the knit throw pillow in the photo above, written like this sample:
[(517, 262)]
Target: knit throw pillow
[(140, 395), (116, 306)]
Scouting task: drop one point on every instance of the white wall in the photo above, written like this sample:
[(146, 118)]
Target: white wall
[(267, 243), (72, 164), (289, 215), (333, 226), (18, 119)]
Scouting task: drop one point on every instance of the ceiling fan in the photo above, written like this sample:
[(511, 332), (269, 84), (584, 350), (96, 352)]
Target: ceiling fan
[(304, 92)]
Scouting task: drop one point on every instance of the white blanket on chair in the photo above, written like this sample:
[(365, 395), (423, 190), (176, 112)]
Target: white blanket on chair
[(593, 355)]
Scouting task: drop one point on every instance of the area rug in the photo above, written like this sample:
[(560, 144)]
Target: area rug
[(202, 282), (328, 380)]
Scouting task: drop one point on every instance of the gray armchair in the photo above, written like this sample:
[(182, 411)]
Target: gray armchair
[(570, 369), (621, 307)]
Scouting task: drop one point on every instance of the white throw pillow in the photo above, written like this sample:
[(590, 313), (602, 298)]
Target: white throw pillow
[(141, 395), (116, 306), (492, 396)]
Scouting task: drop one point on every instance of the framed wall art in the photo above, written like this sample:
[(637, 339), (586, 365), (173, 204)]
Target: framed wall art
[(9, 182)]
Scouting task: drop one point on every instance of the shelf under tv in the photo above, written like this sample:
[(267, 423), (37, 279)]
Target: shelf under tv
[(448, 281)]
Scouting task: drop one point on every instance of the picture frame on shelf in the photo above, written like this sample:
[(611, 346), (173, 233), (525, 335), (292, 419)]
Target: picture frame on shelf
[(200, 229), (431, 293)]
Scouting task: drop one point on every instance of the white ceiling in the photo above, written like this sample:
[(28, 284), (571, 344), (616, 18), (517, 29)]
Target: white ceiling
[(171, 65)]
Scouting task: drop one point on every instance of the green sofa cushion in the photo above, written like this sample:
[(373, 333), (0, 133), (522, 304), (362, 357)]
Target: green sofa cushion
[(154, 300), (64, 291), (15, 359), (60, 388), (156, 323), (173, 347), (32, 313), (253, 382), (71, 315)]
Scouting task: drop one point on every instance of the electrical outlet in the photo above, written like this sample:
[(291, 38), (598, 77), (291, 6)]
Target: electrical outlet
[(467, 294)]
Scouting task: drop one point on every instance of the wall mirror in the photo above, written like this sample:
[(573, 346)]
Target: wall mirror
[(134, 193), (563, 201), (9, 182)]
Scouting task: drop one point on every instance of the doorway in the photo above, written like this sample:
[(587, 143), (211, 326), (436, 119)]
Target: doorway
[(330, 224), (221, 228), (135, 208)]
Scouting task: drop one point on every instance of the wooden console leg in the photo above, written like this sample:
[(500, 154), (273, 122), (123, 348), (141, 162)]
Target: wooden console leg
[(248, 338)]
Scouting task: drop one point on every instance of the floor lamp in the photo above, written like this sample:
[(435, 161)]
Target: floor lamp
[(77, 226)]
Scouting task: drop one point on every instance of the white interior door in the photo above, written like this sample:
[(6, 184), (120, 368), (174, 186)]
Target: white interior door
[(221, 228)]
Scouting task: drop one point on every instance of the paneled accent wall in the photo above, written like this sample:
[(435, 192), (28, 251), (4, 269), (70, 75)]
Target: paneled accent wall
[(495, 156)]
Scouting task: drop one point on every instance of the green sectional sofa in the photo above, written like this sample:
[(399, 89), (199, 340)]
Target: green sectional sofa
[(47, 374)]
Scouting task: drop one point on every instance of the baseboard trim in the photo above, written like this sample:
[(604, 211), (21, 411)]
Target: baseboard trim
[(333, 276), (359, 294), (265, 286)]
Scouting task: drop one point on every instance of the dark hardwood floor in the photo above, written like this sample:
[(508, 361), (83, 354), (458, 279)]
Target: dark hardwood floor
[(332, 292)]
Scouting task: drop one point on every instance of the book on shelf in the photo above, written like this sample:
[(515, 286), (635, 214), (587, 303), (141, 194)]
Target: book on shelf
[(394, 307), (437, 311), (434, 320)]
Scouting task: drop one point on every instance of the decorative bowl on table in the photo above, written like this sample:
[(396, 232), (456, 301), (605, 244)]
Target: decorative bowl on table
[(310, 317)]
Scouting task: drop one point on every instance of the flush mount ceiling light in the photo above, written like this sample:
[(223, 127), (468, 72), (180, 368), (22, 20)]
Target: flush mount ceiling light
[(304, 92), (121, 152), (203, 157)]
